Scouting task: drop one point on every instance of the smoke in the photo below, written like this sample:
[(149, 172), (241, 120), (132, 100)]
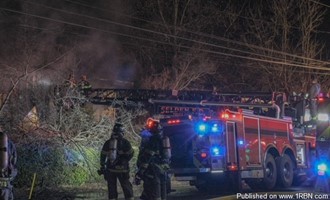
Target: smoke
[(102, 57), (97, 54), (99, 60)]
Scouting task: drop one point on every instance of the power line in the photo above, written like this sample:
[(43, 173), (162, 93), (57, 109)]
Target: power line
[(191, 40), (146, 46), (207, 35), (179, 28), (322, 4), (204, 50), (150, 40), (123, 43)]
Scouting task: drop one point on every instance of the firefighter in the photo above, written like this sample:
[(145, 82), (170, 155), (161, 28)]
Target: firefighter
[(84, 85), (314, 91), (70, 82), (145, 136), (153, 160), (8, 158), (115, 156)]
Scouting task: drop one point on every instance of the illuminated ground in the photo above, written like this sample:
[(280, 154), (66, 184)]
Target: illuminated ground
[(183, 191)]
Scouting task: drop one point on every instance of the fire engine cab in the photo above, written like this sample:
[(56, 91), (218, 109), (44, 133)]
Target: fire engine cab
[(261, 139), (322, 183)]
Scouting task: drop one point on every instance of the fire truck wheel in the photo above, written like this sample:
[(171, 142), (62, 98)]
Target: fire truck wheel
[(270, 176), (285, 171)]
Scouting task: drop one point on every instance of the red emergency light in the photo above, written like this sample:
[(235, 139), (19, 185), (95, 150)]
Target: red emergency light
[(227, 115), (203, 155), (174, 121), (232, 167)]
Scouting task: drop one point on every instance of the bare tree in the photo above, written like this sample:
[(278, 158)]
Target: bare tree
[(177, 61), (188, 69), (287, 37), (32, 61)]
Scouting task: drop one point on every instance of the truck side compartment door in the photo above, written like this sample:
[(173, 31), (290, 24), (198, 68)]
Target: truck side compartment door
[(231, 154), (252, 142)]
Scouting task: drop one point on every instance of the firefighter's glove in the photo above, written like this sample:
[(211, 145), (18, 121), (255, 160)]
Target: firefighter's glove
[(139, 176), (140, 173), (101, 171), (137, 179)]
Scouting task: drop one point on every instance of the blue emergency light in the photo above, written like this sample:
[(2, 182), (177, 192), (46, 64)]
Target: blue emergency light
[(217, 151), (202, 128), (215, 128), (240, 142), (322, 169), (205, 128)]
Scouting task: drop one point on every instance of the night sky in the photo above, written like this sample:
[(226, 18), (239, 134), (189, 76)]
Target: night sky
[(116, 42)]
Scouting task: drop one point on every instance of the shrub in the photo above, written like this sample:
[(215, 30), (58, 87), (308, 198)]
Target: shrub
[(56, 166)]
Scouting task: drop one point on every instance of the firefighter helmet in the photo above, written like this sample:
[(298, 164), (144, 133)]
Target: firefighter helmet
[(153, 126), (118, 129)]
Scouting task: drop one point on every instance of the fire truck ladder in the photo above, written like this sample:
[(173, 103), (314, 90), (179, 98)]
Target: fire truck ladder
[(154, 99), (108, 96), (235, 100)]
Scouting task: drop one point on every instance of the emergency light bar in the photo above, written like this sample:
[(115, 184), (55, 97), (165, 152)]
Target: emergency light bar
[(230, 116), (209, 127), (174, 121)]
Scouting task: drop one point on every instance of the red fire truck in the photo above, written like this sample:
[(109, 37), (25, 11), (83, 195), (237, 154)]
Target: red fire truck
[(223, 139), (261, 139)]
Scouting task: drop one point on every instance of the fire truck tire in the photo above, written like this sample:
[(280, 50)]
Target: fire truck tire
[(269, 180), (284, 166)]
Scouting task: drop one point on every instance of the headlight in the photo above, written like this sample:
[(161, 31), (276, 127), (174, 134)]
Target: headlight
[(323, 117)]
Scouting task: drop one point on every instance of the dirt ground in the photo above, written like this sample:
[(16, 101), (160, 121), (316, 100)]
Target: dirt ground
[(94, 191), (89, 191)]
